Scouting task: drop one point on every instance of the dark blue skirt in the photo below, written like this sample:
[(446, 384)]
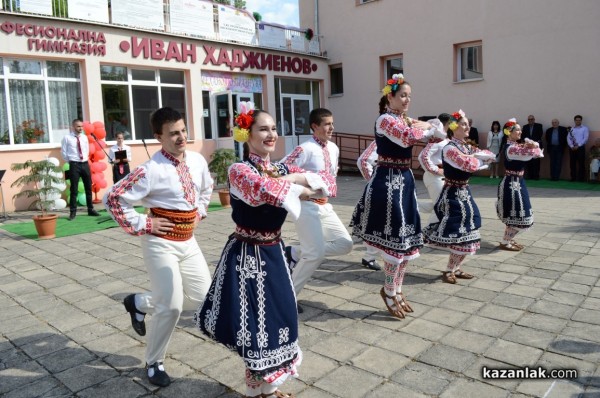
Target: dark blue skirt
[(387, 216), (513, 206), (251, 307), (460, 220)]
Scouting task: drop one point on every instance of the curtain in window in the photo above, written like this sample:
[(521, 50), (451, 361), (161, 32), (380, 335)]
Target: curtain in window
[(64, 100), (28, 102), (4, 133)]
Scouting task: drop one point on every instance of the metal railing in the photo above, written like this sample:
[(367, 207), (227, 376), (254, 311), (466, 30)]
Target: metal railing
[(294, 37)]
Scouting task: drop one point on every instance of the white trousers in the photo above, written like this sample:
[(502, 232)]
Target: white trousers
[(179, 280), (434, 184), (321, 234)]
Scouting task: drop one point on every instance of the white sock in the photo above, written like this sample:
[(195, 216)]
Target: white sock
[(295, 255), (151, 369), (268, 389), (253, 392), (137, 302)]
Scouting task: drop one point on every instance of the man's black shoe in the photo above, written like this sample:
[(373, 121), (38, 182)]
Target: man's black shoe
[(371, 265), (138, 326), (289, 258), (157, 375), (71, 217), (93, 213), (300, 309)]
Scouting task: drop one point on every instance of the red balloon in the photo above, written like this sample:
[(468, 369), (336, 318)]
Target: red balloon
[(90, 139), (92, 148), (102, 143), (100, 133), (95, 188), (95, 179), (88, 128), (99, 155), (98, 125), (94, 167), (101, 166), (97, 147), (103, 184)]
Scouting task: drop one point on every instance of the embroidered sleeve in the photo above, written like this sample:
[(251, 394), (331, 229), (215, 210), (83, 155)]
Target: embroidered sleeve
[(367, 160), (459, 160), (254, 189), (297, 157), (321, 181), (521, 152), (425, 158), (120, 198), (398, 132), (204, 189)]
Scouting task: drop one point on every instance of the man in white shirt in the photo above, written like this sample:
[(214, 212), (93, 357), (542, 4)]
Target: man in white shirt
[(175, 185), (320, 231), (576, 139), (75, 150)]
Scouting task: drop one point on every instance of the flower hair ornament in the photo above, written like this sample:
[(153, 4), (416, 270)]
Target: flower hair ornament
[(243, 121), (393, 83), (508, 126), (454, 118)]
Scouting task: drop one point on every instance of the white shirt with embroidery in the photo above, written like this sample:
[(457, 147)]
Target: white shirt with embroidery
[(430, 157), (465, 161), (315, 155), (165, 182), (367, 161), (256, 188)]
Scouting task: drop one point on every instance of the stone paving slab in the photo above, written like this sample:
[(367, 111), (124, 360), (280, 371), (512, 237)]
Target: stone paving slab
[(64, 332)]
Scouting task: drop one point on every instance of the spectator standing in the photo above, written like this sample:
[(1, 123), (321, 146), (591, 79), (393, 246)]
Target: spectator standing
[(576, 139), (556, 142), (473, 133), (533, 131)]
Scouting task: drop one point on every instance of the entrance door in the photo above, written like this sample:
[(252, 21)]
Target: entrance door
[(222, 118), (296, 128)]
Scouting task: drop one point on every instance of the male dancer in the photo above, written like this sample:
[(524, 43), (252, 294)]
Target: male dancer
[(176, 186), (320, 231)]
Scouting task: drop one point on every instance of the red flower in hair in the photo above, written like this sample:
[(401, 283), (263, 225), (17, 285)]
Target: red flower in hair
[(245, 120), (510, 124), (456, 115)]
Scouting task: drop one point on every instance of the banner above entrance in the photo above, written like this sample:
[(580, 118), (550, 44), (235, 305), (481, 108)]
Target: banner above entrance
[(219, 81)]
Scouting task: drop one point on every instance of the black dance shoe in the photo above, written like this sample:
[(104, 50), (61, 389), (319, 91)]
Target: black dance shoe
[(138, 326)]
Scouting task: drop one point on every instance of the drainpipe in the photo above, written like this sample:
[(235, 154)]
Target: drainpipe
[(317, 17)]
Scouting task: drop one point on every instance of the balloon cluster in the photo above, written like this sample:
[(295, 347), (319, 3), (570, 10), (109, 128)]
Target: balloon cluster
[(59, 202), (97, 167)]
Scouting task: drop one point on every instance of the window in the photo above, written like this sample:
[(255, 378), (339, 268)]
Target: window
[(392, 66), (38, 100), (469, 64), (337, 80), (131, 95)]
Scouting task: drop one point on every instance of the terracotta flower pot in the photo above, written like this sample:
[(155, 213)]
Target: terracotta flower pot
[(224, 197), (46, 226)]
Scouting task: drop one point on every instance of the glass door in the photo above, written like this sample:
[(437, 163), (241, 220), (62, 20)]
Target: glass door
[(222, 118), (295, 128)]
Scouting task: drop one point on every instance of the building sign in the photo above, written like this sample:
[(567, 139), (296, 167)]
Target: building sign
[(52, 39), (91, 10), (192, 17), (138, 13), (219, 81), (236, 25), (161, 50), (272, 36)]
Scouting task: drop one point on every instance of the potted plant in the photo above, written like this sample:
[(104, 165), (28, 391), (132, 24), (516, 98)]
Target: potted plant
[(219, 164), (30, 131), (42, 178)]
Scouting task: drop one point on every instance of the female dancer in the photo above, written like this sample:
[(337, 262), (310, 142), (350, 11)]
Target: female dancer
[(513, 206), (494, 140), (251, 305), (458, 228), (386, 216)]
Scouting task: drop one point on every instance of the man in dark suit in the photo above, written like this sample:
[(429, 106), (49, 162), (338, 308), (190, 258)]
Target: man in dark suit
[(473, 133), (534, 131), (556, 142)]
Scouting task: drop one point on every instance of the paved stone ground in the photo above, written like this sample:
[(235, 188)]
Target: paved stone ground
[(64, 332)]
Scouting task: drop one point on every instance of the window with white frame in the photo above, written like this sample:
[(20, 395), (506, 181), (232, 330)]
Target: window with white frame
[(38, 100), (130, 95), (469, 61), (337, 79), (393, 65)]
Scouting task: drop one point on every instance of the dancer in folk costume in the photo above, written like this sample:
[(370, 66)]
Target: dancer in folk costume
[(251, 305), (458, 215), (430, 159), (320, 231), (175, 185), (366, 162), (513, 206), (386, 216)]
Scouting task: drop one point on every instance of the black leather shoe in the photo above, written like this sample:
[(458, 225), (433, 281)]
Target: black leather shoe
[(371, 265), (71, 217), (289, 258), (93, 213), (300, 309), (138, 326), (157, 375)]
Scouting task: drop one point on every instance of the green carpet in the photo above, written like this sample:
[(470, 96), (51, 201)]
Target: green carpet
[(80, 225), (562, 184)]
